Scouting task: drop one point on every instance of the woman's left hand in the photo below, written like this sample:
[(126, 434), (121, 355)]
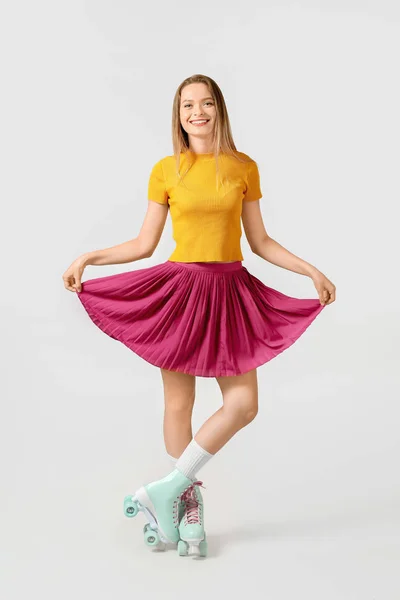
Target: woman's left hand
[(325, 288)]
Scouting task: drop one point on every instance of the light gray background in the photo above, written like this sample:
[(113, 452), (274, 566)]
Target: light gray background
[(304, 502)]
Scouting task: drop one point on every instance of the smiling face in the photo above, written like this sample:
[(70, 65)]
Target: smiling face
[(197, 115)]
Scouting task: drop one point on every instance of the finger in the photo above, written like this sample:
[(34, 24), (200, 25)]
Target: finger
[(332, 297), (78, 285), (67, 284), (324, 297)]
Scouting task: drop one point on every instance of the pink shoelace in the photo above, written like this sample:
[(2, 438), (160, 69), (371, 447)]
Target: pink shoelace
[(189, 497)]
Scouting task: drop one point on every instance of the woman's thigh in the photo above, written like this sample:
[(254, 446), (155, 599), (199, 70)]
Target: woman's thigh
[(179, 389)]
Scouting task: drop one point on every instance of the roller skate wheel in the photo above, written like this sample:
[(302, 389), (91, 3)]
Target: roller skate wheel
[(131, 508), (151, 537), (203, 547), (182, 548)]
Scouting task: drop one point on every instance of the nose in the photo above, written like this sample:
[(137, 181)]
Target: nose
[(198, 112)]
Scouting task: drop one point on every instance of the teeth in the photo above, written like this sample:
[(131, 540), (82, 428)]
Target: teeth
[(203, 121)]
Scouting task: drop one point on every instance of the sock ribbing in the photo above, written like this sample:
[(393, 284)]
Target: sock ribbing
[(174, 461), (193, 458)]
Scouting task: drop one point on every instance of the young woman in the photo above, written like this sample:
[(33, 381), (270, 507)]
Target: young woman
[(200, 313)]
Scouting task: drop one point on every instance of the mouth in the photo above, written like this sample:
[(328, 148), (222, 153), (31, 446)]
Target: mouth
[(199, 122)]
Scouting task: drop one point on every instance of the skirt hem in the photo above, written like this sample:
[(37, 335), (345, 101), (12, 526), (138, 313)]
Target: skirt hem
[(261, 359)]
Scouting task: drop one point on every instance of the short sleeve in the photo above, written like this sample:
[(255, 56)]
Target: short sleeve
[(157, 186), (253, 190)]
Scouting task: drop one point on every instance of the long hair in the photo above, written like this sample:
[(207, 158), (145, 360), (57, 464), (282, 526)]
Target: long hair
[(222, 136)]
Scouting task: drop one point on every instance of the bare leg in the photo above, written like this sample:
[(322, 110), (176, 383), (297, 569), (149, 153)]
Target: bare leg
[(240, 406), (179, 396)]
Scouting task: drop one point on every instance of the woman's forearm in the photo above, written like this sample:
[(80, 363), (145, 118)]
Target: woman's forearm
[(122, 253), (276, 254)]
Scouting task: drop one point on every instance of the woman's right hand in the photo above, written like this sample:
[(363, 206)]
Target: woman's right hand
[(73, 275)]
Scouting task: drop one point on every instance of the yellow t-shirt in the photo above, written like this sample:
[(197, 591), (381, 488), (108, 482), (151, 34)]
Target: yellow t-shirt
[(206, 221)]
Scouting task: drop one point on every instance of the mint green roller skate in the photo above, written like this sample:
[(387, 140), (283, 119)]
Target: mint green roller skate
[(191, 527), (160, 501)]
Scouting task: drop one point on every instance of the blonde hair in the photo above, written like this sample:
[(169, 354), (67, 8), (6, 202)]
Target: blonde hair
[(222, 136)]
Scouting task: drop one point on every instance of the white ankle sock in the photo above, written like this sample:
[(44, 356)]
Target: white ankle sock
[(192, 459), (174, 461)]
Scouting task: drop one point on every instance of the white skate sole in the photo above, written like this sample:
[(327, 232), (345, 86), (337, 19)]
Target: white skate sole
[(147, 507)]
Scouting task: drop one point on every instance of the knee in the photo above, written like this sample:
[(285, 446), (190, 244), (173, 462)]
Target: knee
[(250, 413), (244, 411), (179, 404)]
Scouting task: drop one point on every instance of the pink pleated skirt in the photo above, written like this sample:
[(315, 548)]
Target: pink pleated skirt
[(205, 319)]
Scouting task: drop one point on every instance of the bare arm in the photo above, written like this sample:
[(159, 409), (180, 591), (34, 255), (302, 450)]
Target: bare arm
[(270, 250), (265, 246), (140, 247)]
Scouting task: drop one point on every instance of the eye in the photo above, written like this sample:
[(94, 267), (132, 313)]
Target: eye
[(208, 102)]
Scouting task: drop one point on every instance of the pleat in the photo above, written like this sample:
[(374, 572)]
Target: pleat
[(208, 323)]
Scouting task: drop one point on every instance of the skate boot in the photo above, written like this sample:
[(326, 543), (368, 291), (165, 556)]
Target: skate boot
[(191, 527), (160, 502)]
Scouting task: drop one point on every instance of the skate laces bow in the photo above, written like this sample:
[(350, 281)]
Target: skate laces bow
[(189, 497)]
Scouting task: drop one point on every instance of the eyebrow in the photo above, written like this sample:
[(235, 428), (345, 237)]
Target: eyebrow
[(190, 99)]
